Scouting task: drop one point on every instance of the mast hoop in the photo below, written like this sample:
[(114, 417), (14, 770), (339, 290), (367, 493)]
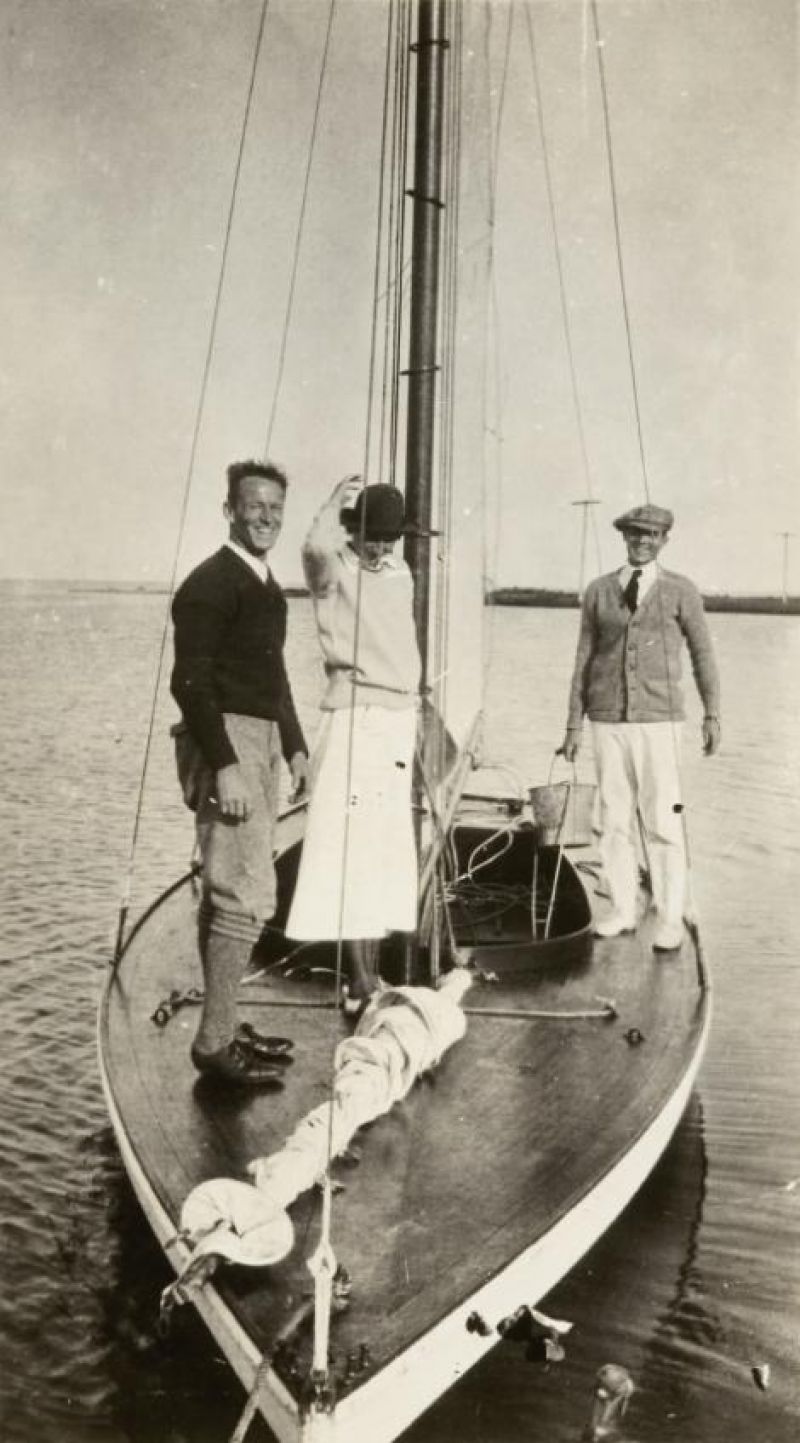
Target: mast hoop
[(427, 199)]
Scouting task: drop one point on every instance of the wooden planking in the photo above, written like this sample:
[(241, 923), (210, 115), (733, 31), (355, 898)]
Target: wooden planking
[(517, 1122)]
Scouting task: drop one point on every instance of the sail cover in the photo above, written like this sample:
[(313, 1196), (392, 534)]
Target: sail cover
[(404, 1032)]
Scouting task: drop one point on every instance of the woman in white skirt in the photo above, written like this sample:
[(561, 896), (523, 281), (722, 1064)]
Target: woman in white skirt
[(358, 868)]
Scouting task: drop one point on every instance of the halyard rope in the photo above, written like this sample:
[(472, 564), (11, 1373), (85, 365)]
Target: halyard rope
[(323, 1262), (126, 894), (690, 904), (562, 289), (300, 225)]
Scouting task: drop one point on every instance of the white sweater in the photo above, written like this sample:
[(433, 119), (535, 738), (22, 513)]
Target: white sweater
[(364, 620)]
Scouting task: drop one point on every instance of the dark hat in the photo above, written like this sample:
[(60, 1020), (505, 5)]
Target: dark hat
[(378, 513), (643, 518)]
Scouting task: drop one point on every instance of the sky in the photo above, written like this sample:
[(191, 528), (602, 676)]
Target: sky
[(121, 123)]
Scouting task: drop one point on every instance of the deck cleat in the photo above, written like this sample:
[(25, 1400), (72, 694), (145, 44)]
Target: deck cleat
[(613, 1391)]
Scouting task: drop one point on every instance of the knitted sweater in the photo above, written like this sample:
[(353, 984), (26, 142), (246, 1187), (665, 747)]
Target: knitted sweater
[(375, 661), (230, 630), (628, 666)]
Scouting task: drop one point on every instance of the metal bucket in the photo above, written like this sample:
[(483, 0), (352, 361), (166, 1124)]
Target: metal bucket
[(563, 812), (549, 805), (578, 828)]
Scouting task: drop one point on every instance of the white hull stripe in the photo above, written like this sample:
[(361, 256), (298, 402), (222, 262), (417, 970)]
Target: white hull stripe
[(390, 1401)]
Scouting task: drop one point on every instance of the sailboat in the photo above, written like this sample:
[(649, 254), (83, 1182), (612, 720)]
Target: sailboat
[(438, 1229)]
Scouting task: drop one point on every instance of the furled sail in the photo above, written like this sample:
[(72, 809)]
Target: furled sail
[(460, 489)]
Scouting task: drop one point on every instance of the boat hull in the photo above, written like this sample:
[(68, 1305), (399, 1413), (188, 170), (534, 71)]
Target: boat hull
[(473, 1196)]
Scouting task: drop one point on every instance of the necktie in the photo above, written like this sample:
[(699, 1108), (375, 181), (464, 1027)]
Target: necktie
[(631, 593)]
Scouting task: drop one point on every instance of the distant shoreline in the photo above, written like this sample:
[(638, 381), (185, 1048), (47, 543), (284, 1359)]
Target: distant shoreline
[(531, 596), (539, 596), (108, 588)]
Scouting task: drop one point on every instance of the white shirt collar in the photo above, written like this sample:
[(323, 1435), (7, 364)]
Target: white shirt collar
[(260, 568), (648, 577), (388, 562)]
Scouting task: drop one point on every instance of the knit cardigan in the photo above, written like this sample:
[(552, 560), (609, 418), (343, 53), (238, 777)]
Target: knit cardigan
[(628, 665), (230, 630)]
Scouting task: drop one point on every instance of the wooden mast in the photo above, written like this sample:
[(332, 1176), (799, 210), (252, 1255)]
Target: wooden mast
[(423, 365)]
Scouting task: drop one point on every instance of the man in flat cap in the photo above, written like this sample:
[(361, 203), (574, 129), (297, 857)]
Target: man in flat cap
[(627, 682)]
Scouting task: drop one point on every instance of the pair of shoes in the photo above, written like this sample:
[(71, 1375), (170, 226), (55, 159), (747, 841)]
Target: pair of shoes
[(614, 925), (237, 1065), (667, 939), (267, 1049)]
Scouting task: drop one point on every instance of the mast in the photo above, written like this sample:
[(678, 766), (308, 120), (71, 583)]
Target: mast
[(423, 365)]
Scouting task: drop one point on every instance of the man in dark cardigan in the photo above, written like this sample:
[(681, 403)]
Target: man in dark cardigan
[(230, 683)]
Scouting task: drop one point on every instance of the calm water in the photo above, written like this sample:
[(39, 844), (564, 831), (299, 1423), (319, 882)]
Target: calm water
[(696, 1285)]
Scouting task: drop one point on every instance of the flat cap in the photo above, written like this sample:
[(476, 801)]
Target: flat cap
[(642, 518)]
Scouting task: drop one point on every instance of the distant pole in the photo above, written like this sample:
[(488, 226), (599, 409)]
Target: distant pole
[(785, 569), (585, 503)]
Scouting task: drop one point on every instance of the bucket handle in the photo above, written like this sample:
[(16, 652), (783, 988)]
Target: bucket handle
[(559, 752)]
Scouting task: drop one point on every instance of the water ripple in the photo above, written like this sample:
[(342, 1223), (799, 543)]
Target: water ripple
[(699, 1280)]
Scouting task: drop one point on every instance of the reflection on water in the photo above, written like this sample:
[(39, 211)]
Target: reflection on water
[(694, 1287)]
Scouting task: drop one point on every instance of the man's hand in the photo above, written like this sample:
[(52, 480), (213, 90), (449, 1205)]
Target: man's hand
[(298, 767), (712, 736), (571, 744), (232, 793)]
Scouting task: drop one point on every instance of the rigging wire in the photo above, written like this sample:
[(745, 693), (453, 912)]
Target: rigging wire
[(451, 197), (324, 1259), (348, 780), (490, 566), (690, 901), (562, 289), (449, 313), (617, 223), (299, 231), (189, 476), (386, 148), (390, 419)]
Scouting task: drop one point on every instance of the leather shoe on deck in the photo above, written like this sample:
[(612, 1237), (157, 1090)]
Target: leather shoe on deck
[(354, 1008), (237, 1065), (615, 925), (667, 939), (267, 1048)]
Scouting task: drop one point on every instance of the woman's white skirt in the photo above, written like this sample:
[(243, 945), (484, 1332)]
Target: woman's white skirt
[(358, 867)]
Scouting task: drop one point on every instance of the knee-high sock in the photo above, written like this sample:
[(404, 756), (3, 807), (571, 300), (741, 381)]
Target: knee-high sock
[(224, 961)]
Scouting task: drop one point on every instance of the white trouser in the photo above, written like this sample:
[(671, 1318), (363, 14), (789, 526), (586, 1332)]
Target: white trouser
[(637, 770)]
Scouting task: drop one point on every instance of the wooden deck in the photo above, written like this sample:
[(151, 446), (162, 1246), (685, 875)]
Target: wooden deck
[(522, 1121)]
